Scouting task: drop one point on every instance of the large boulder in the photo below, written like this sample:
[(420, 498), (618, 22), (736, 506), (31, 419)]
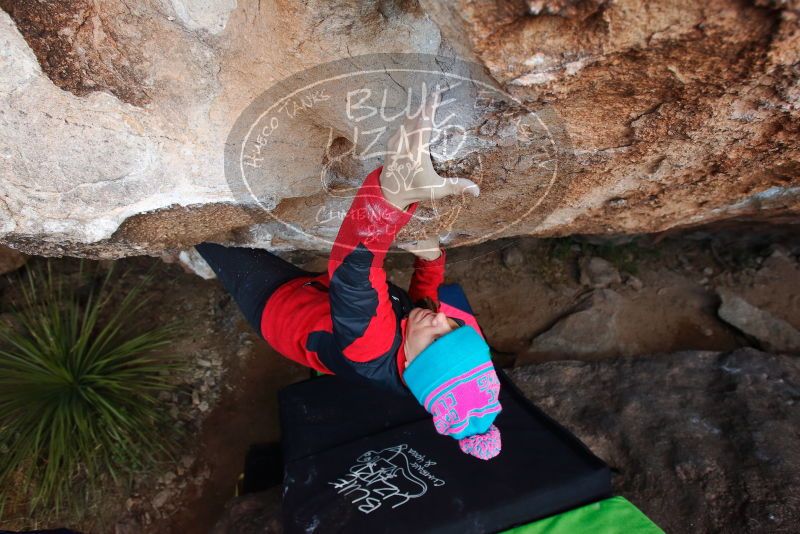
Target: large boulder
[(701, 441), (114, 117), (773, 333), (592, 331)]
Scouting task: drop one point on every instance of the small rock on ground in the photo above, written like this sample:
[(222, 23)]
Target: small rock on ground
[(773, 333), (589, 332), (512, 257), (598, 273)]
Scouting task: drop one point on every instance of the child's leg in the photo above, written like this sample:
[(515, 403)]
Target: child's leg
[(249, 275)]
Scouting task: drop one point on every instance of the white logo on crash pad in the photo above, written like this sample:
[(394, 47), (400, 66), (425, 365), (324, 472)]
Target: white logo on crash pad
[(393, 476)]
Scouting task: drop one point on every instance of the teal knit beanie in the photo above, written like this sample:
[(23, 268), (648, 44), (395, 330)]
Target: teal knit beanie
[(455, 380)]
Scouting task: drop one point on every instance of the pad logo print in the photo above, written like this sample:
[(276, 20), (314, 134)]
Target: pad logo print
[(394, 476)]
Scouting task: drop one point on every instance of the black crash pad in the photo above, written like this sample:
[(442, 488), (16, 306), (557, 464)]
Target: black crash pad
[(358, 459)]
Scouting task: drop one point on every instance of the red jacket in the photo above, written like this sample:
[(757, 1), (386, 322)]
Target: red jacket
[(350, 320)]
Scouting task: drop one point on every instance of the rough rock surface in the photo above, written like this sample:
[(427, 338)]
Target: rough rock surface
[(114, 116), (773, 333), (702, 441), (590, 331)]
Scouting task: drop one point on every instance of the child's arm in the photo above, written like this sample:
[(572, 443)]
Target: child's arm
[(428, 276), (364, 323), (429, 266)]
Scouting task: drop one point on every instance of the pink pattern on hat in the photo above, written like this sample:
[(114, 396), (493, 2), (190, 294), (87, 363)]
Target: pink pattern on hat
[(484, 446), (463, 398)]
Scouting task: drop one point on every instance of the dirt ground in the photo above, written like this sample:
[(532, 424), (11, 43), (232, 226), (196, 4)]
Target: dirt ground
[(667, 302)]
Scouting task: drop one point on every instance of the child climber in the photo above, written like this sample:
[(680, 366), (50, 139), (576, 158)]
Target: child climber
[(351, 322)]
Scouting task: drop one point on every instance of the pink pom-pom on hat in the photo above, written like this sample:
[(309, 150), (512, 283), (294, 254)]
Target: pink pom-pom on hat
[(484, 446), (455, 381)]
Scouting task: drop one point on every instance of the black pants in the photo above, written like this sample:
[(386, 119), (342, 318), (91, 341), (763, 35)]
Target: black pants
[(250, 275)]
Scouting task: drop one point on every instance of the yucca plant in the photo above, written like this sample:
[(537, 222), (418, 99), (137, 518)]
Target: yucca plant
[(78, 389)]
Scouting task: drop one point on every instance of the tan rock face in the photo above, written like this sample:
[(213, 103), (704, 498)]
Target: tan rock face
[(675, 109), (80, 47), (114, 117)]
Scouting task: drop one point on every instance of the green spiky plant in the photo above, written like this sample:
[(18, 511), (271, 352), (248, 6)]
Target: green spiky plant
[(78, 390)]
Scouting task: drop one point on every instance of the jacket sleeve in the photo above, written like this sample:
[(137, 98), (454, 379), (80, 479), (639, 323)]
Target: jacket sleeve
[(427, 277), (364, 322)]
